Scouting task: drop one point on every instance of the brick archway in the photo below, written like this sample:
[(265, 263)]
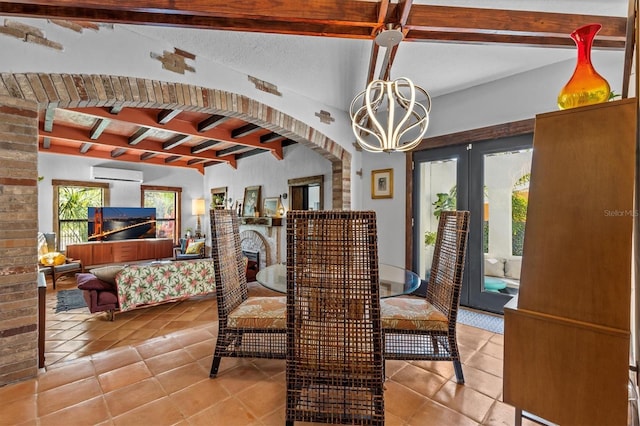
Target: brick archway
[(90, 90)]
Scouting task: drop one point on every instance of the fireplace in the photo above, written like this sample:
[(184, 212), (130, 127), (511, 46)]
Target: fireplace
[(253, 265), (253, 241)]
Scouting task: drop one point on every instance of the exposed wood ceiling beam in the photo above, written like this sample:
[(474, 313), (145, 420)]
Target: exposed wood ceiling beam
[(334, 18), (147, 118), (175, 141), (172, 159), (147, 155), (245, 130), (46, 142), (98, 128), (204, 146), (85, 147), (270, 137), (139, 135), (76, 135), (131, 157), (117, 152), (166, 115), (211, 122)]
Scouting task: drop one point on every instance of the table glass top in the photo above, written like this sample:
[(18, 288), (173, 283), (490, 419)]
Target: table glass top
[(394, 281)]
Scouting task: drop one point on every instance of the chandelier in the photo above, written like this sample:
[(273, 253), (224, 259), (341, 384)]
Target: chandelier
[(386, 117)]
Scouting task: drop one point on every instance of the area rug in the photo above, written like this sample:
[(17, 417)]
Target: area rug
[(70, 299), (489, 322)]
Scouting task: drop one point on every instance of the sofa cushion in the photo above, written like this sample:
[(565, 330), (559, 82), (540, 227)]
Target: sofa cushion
[(87, 281), (512, 268), (107, 273), (494, 266), (194, 247)]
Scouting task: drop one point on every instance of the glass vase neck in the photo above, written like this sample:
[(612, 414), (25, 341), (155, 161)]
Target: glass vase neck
[(583, 37)]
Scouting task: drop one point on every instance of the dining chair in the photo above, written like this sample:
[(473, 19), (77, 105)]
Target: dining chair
[(335, 365), (424, 327), (252, 327)]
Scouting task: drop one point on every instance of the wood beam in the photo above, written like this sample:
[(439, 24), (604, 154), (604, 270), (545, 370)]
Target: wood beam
[(204, 146), (139, 135), (72, 134), (147, 118), (211, 122), (98, 128), (85, 147), (128, 157), (245, 130), (175, 141), (48, 117), (166, 115)]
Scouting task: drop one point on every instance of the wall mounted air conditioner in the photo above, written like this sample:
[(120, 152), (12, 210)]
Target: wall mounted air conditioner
[(108, 173)]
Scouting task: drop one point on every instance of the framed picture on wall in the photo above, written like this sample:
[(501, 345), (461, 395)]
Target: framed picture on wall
[(382, 183), (218, 197), (251, 201), (271, 206)]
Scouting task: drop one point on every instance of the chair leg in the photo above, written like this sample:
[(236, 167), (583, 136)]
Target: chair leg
[(457, 366), (214, 366)]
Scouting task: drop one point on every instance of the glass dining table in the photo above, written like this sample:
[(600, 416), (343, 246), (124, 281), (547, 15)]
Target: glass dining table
[(394, 281)]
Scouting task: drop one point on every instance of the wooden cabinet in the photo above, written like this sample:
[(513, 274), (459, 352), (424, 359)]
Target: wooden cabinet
[(566, 342), (103, 252)]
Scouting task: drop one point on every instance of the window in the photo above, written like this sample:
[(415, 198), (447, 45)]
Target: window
[(71, 200), (166, 200)]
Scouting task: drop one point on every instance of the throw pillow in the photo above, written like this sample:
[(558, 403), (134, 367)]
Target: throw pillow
[(194, 247), (53, 259), (88, 281), (494, 267), (107, 273)]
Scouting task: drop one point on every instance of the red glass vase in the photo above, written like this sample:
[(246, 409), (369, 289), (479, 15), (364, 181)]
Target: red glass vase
[(586, 86)]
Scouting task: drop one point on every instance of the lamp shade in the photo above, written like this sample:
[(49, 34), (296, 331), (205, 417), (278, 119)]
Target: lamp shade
[(197, 206)]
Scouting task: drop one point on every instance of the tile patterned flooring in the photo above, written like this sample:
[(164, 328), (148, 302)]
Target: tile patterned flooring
[(151, 366)]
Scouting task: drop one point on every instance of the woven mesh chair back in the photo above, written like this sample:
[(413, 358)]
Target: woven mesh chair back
[(334, 340), (226, 251), (447, 268)]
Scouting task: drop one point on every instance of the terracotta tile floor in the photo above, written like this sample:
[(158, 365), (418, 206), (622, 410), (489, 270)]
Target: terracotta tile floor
[(151, 366)]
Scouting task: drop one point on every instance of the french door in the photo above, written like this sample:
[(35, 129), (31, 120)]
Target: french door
[(491, 180)]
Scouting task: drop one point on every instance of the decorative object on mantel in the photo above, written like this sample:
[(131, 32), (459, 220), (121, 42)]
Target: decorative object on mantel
[(586, 86), (390, 118), (251, 201), (197, 209), (382, 183)]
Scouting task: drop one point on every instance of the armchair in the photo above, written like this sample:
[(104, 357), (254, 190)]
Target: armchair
[(52, 262), (189, 248)]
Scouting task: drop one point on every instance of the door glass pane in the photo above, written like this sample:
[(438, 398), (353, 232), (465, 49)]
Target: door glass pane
[(437, 193), (506, 194)]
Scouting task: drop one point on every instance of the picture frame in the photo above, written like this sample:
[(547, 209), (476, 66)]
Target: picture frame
[(251, 201), (219, 197), (271, 206), (382, 183)]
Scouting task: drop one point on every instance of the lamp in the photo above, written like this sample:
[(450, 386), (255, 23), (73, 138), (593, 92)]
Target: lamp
[(197, 208), (402, 124)]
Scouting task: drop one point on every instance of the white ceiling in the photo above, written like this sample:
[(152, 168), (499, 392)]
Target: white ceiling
[(333, 70)]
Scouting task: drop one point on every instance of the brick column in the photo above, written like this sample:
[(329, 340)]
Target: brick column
[(18, 232)]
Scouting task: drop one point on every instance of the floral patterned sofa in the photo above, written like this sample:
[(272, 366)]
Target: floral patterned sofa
[(146, 284)]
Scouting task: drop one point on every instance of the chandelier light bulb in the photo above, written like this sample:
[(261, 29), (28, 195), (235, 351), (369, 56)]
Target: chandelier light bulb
[(386, 117)]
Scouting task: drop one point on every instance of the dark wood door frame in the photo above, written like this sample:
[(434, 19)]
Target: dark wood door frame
[(498, 131)]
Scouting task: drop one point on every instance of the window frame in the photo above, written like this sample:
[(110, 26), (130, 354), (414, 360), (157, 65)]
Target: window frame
[(178, 209)]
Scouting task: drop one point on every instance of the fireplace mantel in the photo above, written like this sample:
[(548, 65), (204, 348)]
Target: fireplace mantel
[(261, 221)]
